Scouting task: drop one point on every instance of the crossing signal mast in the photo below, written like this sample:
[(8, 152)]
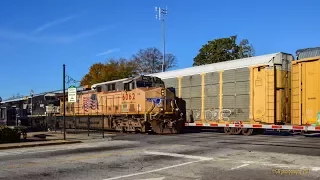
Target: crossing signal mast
[(160, 14)]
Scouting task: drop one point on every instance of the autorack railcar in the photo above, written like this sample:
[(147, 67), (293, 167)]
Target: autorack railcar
[(272, 91)]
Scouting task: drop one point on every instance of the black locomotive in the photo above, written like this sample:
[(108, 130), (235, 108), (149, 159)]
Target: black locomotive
[(32, 111)]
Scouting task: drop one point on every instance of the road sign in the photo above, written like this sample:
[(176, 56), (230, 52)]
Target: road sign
[(72, 94)]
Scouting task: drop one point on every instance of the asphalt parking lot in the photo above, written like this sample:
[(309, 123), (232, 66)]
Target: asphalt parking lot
[(194, 156)]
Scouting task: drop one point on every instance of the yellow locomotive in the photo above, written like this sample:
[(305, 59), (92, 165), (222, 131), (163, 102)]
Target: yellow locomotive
[(136, 104)]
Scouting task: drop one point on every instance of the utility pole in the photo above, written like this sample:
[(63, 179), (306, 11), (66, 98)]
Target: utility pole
[(64, 102), (160, 15)]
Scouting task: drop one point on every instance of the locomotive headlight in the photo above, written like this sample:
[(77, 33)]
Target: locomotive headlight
[(161, 109), (162, 92)]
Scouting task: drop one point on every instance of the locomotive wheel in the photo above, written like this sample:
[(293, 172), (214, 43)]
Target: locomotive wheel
[(160, 127)]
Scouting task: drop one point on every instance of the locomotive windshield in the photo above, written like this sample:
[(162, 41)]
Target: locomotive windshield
[(148, 81), (143, 81)]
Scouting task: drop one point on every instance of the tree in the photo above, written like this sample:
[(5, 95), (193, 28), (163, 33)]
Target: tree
[(223, 49), (113, 69), (145, 61), (150, 61)]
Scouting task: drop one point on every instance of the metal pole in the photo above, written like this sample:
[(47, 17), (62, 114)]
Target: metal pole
[(164, 44), (64, 102), (102, 125), (88, 124), (160, 15)]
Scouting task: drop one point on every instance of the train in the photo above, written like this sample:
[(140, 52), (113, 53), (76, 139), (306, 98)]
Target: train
[(135, 104), (267, 92)]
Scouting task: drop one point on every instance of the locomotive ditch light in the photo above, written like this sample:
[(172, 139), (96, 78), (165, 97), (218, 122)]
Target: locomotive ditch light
[(162, 92)]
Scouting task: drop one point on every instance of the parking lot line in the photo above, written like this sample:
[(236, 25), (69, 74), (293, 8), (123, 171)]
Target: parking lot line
[(155, 170), (238, 167), (178, 155)]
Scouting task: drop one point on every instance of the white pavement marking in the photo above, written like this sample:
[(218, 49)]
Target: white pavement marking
[(200, 158), (178, 155), (155, 170), (237, 167)]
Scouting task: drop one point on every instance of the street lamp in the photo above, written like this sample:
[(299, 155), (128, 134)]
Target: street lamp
[(160, 15)]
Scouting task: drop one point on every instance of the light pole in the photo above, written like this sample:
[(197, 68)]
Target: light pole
[(64, 102), (160, 15)]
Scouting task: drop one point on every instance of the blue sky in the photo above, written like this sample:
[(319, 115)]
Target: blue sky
[(37, 37)]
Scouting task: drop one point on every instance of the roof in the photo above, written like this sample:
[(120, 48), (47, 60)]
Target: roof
[(108, 82), (40, 94), (308, 52), (124, 80), (226, 65), (307, 49)]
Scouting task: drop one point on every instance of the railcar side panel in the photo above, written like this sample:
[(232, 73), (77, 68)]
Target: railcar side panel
[(211, 92), (305, 91), (236, 94), (269, 95)]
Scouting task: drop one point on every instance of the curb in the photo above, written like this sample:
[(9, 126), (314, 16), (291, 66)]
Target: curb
[(38, 144)]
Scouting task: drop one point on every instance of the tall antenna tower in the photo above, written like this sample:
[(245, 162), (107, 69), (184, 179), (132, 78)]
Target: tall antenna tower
[(160, 14)]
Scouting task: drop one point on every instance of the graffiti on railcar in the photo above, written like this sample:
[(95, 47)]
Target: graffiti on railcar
[(318, 119), (214, 114)]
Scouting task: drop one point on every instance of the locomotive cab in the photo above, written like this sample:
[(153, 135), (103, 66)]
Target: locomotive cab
[(153, 96)]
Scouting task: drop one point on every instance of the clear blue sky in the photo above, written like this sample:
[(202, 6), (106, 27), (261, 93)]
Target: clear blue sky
[(37, 37)]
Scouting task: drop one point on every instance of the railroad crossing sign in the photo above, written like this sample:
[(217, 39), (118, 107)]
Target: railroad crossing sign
[(72, 94)]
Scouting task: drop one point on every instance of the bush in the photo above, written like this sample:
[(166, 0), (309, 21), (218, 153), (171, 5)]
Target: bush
[(8, 135)]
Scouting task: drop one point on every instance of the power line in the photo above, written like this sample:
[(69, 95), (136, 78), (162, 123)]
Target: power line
[(70, 80)]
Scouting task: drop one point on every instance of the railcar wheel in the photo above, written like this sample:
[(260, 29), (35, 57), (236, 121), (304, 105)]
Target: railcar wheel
[(247, 132), (236, 130), (227, 130)]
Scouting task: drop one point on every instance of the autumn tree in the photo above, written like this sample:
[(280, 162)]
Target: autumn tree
[(223, 49), (111, 70), (150, 60)]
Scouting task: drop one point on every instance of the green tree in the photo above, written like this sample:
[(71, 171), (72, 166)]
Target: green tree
[(223, 49)]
